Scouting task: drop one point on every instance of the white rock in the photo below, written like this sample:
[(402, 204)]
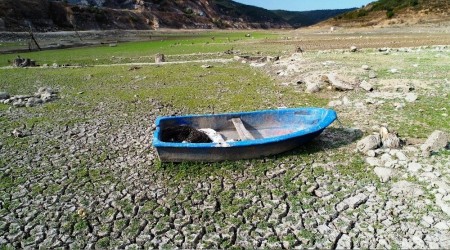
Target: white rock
[(383, 173), (428, 219), (401, 156), (371, 153), (323, 229), (418, 241), (353, 49), (433, 245), (406, 244), (373, 162), (442, 225), (366, 86), (411, 97), (344, 242), (427, 168), (386, 157), (346, 101), (365, 67), (414, 167), (390, 164), (335, 103), (407, 189), (312, 87), (337, 83)]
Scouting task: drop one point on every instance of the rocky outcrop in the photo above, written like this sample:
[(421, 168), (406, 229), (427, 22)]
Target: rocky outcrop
[(45, 15)]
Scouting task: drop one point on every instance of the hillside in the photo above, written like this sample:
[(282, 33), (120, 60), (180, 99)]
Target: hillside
[(305, 18), (388, 12), (46, 15)]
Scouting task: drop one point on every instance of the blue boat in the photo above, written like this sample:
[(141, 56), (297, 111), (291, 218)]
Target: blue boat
[(242, 135)]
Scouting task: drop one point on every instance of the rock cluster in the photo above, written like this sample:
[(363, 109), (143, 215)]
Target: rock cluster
[(384, 139), (23, 62), (43, 95)]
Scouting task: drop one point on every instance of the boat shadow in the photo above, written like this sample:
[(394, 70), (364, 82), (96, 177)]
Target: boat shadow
[(331, 138)]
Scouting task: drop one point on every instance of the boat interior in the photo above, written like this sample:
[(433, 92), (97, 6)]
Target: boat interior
[(250, 126)]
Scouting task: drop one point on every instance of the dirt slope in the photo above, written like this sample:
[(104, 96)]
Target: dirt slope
[(400, 12)]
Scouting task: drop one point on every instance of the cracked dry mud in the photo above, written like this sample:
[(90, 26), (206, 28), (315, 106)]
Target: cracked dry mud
[(95, 184)]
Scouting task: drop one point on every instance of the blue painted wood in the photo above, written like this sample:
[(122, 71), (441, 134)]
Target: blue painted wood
[(275, 131)]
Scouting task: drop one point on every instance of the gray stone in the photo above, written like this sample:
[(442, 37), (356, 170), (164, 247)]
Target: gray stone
[(341, 206), (312, 87), (338, 84), (401, 156), (323, 229), (372, 161), (386, 157), (365, 67), (407, 189), (388, 139), (371, 153), (369, 143), (356, 200), (346, 101), (19, 103), (366, 86), (435, 142), (383, 173), (32, 101), (353, 49), (4, 96), (42, 90), (372, 75)]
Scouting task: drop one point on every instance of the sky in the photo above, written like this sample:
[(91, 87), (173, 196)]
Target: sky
[(302, 5)]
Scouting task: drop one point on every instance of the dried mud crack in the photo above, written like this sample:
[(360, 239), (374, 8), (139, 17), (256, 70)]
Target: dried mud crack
[(107, 193), (97, 183)]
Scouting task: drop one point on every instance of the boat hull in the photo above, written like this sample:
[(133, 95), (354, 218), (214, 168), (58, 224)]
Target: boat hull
[(306, 123)]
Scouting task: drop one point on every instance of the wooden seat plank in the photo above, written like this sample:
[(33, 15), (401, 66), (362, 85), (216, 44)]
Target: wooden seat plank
[(243, 133)]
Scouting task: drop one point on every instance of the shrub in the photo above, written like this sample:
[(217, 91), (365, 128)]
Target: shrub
[(390, 14)]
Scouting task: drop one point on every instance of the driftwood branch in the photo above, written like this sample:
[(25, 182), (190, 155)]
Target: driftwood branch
[(33, 38)]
